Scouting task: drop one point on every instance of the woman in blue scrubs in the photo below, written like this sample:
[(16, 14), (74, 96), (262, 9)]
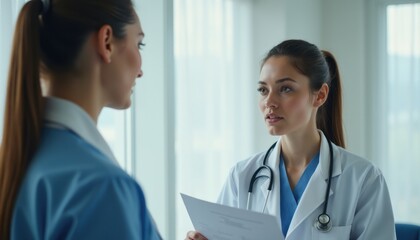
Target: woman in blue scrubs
[(320, 190), (59, 178)]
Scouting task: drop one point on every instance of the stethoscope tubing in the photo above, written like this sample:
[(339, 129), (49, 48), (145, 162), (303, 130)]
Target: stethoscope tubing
[(323, 226)]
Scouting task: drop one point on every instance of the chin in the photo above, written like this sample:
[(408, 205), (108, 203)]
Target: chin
[(273, 131), (126, 105), (120, 105)]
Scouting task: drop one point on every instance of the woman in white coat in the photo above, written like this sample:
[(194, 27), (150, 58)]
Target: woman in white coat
[(301, 102)]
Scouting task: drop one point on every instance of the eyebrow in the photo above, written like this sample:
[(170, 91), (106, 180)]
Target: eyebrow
[(279, 81), (141, 34)]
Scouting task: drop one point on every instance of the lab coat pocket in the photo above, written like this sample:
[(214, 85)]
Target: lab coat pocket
[(338, 232)]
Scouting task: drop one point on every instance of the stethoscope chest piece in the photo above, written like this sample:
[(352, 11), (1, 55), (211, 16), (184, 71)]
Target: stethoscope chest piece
[(323, 223)]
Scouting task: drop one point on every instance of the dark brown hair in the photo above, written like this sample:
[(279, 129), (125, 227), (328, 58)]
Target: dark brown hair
[(47, 40), (320, 67)]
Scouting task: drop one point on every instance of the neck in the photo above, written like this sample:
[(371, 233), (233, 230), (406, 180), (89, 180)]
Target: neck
[(82, 91), (299, 148)]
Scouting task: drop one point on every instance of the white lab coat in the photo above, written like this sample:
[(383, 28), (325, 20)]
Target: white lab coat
[(359, 204)]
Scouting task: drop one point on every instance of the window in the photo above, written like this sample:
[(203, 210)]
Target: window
[(396, 105), (115, 127), (403, 109), (214, 96)]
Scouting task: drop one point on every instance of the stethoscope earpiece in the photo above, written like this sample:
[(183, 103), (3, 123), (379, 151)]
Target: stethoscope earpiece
[(323, 223)]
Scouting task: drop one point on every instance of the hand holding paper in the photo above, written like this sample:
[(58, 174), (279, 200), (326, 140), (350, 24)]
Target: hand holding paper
[(219, 222)]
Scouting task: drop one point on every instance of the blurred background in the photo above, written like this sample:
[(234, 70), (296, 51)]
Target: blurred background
[(195, 114)]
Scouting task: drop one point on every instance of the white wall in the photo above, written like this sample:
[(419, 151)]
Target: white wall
[(343, 33), (303, 20)]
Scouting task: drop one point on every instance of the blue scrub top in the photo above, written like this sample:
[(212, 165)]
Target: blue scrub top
[(73, 190), (289, 199)]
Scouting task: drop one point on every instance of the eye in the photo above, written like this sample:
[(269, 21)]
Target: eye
[(262, 90), (140, 45), (286, 89)]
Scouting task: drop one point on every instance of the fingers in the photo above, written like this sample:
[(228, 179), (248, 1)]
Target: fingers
[(192, 235)]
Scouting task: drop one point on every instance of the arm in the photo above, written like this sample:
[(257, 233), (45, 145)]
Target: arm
[(229, 194)]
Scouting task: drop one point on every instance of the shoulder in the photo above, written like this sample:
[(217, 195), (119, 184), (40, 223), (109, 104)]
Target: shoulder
[(63, 151), (357, 166), (69, 181), (250, 163), (65, 164), (64, 202), (244, 169), (68, 184)]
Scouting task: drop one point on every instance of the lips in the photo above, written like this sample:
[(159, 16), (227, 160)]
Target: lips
[(273, 118)]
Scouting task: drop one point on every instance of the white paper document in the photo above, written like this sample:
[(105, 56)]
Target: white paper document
[(219, 222)]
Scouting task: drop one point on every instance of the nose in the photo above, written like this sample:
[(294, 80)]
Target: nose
[(140, 74), (270, 102)]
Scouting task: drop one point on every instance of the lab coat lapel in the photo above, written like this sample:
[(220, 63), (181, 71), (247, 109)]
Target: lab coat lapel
[(312, 198), (263, 193), (314, 194), (273, 204)]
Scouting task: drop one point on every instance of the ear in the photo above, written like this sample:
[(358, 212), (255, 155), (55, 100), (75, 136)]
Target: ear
[(105, 41), (321, 96)]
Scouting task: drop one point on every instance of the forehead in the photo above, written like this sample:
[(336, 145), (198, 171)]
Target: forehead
[(278, 67), (135, 27)]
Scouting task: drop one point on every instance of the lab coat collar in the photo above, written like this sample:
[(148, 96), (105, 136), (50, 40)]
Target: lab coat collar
[(325, 158), (60, 113), (314, 194)]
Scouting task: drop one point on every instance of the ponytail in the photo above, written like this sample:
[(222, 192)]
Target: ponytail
[(329, 118), (320, 67), (23, 110)]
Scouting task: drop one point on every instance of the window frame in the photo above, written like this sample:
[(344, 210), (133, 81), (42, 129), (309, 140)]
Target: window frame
[(376, 56)]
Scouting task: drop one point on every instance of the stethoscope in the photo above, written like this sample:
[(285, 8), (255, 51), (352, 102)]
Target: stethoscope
[(323, 221)]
